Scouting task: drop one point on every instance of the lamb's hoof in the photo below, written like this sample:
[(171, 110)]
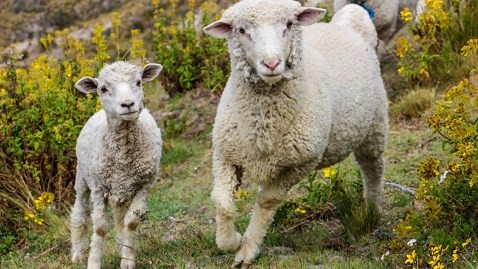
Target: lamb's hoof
[(78, 258), (127, 264), (228, 244), (245, 265)]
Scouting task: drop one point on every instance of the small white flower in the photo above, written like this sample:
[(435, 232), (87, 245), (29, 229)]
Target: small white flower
[(411, 242), (443, 177), (384, 255)]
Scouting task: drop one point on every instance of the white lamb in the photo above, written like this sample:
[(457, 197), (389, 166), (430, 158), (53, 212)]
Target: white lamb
[(118, 153), (298, 99)]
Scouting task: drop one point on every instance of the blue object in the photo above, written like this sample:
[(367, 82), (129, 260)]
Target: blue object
[(370, 11)]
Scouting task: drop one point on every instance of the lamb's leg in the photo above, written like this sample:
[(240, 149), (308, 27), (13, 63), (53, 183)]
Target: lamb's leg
[(119, 212), (369, 156), (100, 229), (80, 214), (269, 199), (135, 213), (226, 180)]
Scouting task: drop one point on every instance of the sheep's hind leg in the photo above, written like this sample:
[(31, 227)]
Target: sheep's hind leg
[(269, 199), (133, 217), (100, 229), (79, 222), (226, 179), (369, 156)]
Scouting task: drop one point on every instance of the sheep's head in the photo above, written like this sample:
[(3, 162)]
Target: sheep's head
[(120, 88), (264, 32)]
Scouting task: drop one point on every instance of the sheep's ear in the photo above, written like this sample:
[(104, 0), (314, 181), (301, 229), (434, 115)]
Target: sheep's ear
[(87, 85), (219, 29), (309, 15), (151, 71)]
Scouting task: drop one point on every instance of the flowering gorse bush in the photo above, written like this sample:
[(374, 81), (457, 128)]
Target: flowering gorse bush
[(42, 115), (190, 59), (448, 191)]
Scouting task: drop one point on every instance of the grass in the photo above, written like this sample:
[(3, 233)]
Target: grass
[(179, 232)]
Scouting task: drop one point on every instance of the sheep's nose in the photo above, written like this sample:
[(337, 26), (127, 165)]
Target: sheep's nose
[(271, 64), (127, 104)]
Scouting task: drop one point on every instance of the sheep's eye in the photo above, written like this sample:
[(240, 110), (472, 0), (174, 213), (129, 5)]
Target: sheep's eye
[(289, 24), (104, 89), (242, 31), (138, 83)]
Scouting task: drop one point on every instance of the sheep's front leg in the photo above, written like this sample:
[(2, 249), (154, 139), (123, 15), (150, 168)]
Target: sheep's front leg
[(100, 229), (269, 199), (79, 221), (136, 211), (226, 180)]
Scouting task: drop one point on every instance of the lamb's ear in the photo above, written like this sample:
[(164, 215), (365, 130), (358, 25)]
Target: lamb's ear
[(309, 15), (219, 29), (151, 71), (87, 85)]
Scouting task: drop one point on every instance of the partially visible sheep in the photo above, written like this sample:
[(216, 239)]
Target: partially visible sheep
[(387, 19), (118, 153), (356, 17), (297, 99)]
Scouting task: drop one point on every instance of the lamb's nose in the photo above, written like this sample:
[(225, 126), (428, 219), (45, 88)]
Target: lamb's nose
[(127, 104), (271, 64)]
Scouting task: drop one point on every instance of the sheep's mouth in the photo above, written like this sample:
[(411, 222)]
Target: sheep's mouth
[(128, 113)]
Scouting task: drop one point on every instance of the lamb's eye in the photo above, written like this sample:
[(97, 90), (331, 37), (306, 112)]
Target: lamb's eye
[(138, 83), (104, 89), (289, 24), (242, 31)]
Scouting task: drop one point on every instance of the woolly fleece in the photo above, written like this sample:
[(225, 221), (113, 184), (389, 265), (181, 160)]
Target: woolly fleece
[(330, 102)]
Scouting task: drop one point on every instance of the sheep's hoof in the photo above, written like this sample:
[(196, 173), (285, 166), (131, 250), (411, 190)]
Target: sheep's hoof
[(246, 265), (230, 245), (236, 264), (78, 258), (127, 264)]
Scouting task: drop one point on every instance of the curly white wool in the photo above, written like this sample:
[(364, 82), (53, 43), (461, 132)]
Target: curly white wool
[(118, 151), (286, 112)]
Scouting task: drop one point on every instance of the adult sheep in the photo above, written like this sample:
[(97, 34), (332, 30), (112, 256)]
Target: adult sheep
[(387, 18), (297, 100), (118, 153)]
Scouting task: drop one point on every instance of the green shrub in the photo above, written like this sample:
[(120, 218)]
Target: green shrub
[(190, 59), (42, 115), (331, 195), (448, 192), (431, 52)]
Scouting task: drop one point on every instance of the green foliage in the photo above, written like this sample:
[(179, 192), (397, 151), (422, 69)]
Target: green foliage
[(44, 114), (189, 58), (414, 103), (448, 192), (431, 54), (332, 195)]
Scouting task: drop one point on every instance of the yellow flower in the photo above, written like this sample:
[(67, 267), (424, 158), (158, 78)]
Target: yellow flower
[(241, 194), (467, 242), (439, 266), (299, 210), (411, 257), (454, 257), (329, 172), (406, 14)]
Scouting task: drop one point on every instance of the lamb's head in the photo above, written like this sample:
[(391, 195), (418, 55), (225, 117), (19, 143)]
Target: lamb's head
[(264, 35), (120, 88)]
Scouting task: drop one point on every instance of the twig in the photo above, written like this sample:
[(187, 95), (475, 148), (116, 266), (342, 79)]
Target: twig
[(401, 187), (48, 250)]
